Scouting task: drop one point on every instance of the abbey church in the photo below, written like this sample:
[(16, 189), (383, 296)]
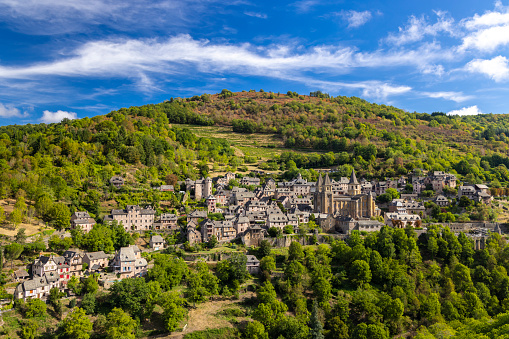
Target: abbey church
[(352, 204)]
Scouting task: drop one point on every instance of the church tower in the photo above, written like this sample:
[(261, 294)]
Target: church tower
[(318, 195), (354, 188), (327, 195)]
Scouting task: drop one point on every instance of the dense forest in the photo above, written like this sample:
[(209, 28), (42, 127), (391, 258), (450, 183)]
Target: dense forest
[(377, 285)]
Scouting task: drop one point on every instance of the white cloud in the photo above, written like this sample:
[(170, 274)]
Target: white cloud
[(256, 15), (304, 6), (355, 19), (472, 110), (453, 96), (433, 69), (8, 111), (137, 58), (418, 28), (487, 40), (490, 18), (41, 17), (496, 68), (49, 117)]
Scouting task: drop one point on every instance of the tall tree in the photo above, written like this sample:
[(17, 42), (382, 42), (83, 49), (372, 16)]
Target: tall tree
[(12, 252), (315, 326)]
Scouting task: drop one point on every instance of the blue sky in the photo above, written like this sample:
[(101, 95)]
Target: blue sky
[(77, 58)]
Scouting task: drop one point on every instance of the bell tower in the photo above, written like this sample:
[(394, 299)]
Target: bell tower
[(354, 188)]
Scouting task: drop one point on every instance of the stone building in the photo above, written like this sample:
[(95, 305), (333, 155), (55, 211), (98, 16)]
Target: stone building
[(133, 217), (353, 204)]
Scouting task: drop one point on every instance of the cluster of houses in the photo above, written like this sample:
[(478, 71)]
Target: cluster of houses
[(339, 205), (52, 271)]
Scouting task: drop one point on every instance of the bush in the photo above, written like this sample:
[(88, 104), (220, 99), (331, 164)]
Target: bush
[(35, 308)]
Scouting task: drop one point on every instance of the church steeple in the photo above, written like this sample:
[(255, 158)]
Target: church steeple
[(320, 180), (327, 179), (353, 178), (354, 188)]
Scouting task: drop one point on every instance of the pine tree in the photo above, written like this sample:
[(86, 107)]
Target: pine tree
[(315, 326)]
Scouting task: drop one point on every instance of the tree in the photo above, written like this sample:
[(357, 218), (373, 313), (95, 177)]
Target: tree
[(59, 309), (270, 314), (2, 215), (35, 308), (75, 285), (360, 272), (20, 236), (28, 329), (264, 249), (88, 303), (174, 311), (12, 252), (393, 192), (55, 295), (16, 217), (268, 264), (315, 326), (338, 329), (91, 284), (212, 242), (60, 216), (168, 271), (119, 325), (266, 293), (135, 296), (77, 325), (255, 330), (295, 272), (288, 229), (274, 232), (233, 269), (295, 252)]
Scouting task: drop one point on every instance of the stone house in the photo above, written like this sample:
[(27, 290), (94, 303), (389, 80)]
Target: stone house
[(83, 220), (133, 217), (166, 221), (252, 264), (156, 242), (96, 260), (127, 262), (117, 181)]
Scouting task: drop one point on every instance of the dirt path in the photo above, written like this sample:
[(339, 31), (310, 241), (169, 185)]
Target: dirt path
[(203, 317)]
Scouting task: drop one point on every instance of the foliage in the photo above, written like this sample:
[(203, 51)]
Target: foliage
[(135, 296), (76, 324), (35, 308), (174, 311), (119, 325)]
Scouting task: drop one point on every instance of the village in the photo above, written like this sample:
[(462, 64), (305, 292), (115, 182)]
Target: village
[(251, 212)]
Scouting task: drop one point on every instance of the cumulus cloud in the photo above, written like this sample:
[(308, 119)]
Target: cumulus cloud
[(500, 16), (496, 68), (8, 111), (49, 117), (487, 40), (419, 27), (472, 110), (453, 96), (356, 19)]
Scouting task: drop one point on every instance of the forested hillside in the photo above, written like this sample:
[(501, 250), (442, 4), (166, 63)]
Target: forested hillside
[(378, 140)]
